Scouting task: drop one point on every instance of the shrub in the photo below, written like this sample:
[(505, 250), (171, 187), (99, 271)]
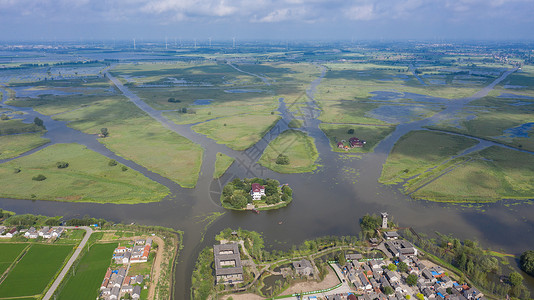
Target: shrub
[(124, 168), (172, 100), (104, 132), (282, 159), (112, 163), (16, 170), (4, 117), (350, 131), (62, 164), (39, 177)]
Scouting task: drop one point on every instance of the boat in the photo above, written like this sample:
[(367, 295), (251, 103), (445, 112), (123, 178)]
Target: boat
[(256, 211)]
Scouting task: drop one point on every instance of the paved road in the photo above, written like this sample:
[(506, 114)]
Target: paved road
[(58, 280)]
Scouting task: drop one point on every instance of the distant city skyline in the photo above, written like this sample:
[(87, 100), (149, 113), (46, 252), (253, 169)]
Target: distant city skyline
[(267, 19)]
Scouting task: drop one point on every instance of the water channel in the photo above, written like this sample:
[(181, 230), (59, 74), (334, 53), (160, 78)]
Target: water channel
[(329, 201)]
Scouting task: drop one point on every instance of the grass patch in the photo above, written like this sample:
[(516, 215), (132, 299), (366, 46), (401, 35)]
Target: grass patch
[(17, 126), (35, 270), (295, 123), (370, 134), (136, 136), (297, 146), (84, 283), (14, 145), (492, 117), (492, 174), (88, 178), (238, 132), (8, 253), (222, 163), (419, 151)]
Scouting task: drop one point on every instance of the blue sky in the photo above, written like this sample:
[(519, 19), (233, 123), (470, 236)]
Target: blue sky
[(266, 19)]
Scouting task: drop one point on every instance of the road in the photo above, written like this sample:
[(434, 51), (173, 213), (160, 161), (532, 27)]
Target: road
[(77, 252)]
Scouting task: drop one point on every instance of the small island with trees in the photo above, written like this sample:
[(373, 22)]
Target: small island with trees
[(255, 194)]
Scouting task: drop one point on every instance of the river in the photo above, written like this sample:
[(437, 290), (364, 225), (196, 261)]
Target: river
[(329, 201)]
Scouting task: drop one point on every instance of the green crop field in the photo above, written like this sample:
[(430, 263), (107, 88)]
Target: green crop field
[(238, 132), (35, 270), (419, 151), (8, 253), (88, 178), (492, 174), (222, 163), (298, 146), (370, 134), (88, 274), (15, 145)]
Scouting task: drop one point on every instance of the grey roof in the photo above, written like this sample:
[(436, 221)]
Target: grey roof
[(302, 264), (136, 290), (231, 247)]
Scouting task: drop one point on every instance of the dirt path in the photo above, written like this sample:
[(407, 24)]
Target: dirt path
[(156, 267)]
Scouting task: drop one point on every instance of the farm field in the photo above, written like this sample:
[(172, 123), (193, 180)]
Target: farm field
[(238, 132), (88, 178), (370, 134), (490, 175), (8, 253), (418, 151), (89, 273), (297, 146), (222, 163), (14, 145), (35, 270)]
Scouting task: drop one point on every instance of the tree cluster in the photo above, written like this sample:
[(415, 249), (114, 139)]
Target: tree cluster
[(237, 192), (282, 159), (527, 262)]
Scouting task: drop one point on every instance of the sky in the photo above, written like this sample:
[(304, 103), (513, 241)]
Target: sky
[(267, 19)]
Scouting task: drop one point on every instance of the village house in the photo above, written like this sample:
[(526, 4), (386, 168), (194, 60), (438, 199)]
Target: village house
[(228, 269), (11, 232), (257, 191), (391, 235), (31, 233), (303, 267)]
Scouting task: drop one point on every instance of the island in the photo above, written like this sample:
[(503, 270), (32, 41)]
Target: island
[(255, 194)]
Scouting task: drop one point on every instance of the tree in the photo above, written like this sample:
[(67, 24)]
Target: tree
[(285, 197), (104, 132), (287, 190), (38, 122), (515, 279), (282, 159), (4, 117), (420, 296), (341, 259), (184, 110), (402, 267), (350, 131), (228, 190), (388, 290), (527, 262), (392, 267), (239, 201), (411, 280)]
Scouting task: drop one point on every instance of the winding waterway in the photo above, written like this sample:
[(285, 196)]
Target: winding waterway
[(329, 201)]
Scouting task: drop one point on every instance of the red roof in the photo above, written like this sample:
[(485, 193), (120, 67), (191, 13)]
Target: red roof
[(256, 188)]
